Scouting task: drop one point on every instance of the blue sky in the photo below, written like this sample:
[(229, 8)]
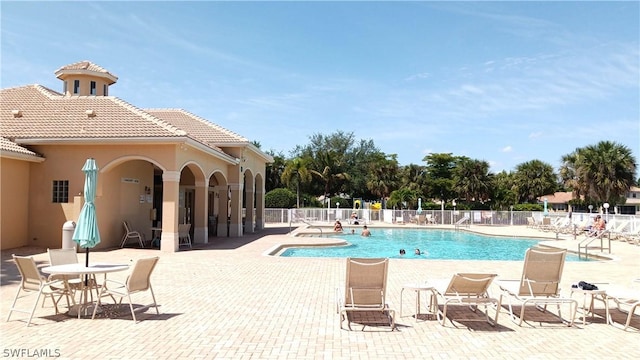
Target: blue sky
[(506, 82)]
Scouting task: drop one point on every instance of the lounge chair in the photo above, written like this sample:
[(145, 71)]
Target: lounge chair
[(34, 283), (623, 297), (466, 289), (365, 289), (539, 284)]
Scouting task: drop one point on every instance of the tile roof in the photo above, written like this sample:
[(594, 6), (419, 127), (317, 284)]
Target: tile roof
[(10, 146), (86, 65), (198, 127), (48, 114)]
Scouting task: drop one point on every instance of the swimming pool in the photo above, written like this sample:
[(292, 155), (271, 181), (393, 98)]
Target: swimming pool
[(435, 244)]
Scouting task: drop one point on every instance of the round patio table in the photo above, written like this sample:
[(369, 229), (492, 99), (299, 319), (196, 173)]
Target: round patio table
[(84, 308)]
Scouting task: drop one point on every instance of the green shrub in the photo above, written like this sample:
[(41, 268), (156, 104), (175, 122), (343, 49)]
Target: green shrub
[(280, 198)]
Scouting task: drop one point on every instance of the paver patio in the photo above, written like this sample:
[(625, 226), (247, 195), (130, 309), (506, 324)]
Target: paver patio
[(229, 300)]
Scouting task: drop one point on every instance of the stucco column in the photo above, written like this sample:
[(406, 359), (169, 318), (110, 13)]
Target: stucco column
[(235, 225), (259, 209), (201, 226), (222, 194), (170, 197), (249, 201)]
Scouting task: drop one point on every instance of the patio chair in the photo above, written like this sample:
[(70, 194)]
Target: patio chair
[(139, 280), (184, 238), (624, 296), (131, 234), (539, 283), (34, 283), (465, 289), (365, 289)]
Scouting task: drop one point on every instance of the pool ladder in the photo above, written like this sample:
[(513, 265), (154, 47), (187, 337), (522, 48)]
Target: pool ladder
[(462, 222)]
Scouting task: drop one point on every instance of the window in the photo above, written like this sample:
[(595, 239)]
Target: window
[(60, 191), (104, 90), (64, 87), (76, 86), (93, 88)]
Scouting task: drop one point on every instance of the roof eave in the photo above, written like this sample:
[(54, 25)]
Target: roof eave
[(20, 156), (222, 156), (266, 157)]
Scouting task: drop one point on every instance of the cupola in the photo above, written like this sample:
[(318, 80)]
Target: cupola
[(85, 78)]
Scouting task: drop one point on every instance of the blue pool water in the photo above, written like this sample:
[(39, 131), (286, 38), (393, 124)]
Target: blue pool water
[(436, 244)]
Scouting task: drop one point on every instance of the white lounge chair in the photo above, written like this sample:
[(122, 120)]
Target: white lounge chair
[(466, 289), (624, 297), (365, 289), (539, 283)]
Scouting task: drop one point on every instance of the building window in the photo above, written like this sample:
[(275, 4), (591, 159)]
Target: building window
[(76, 86), (60, 191), (64, 87), (104, 90), (93, 88)]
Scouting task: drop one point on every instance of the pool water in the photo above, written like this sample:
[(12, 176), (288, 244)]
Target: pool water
[(434, 244)]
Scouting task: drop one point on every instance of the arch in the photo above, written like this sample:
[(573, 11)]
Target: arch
[(199, 175), (120, 160)]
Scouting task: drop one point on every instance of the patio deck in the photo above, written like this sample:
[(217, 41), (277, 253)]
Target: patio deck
[(228, 300)]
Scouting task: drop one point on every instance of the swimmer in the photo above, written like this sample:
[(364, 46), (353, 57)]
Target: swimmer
[(365, 231), (402, 252)]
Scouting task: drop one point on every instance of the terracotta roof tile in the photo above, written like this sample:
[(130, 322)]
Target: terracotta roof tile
[(86, 65), (198, 127), (47, 114), (10, 146)]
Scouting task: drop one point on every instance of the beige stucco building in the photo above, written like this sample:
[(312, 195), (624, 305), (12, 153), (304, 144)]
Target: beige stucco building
[(158, 167)]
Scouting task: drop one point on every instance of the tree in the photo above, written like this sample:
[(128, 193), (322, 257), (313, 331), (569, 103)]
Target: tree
[(533, 179), (402, 196), (603, 172), (273, 171), (328, 168), (382, 179), (296, 172), (504, 192), (439, 173), (472, 180)]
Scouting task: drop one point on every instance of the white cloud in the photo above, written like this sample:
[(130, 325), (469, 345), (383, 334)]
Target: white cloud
[(535, 135), (507, 148)]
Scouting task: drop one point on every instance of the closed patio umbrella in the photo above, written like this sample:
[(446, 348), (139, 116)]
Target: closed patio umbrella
[(86, 233)]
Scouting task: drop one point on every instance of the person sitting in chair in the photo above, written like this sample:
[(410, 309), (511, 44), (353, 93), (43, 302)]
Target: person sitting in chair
[(354, 218)]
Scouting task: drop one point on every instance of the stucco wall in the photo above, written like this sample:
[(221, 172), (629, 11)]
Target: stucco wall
[(14, 203)]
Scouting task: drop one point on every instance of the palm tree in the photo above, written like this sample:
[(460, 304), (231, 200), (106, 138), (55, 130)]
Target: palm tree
[(273, 177), (329, 170), (295, 171), (603, 172), (472, 180), (533, 179), (402, 196), (381, 179)]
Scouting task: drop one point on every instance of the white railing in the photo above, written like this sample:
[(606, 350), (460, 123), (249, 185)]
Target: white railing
[(320, 216)]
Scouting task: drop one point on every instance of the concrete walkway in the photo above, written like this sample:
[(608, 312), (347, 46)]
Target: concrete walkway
[(228, 300)]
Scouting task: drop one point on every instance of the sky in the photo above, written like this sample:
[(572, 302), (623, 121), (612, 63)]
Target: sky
[(506, 82)]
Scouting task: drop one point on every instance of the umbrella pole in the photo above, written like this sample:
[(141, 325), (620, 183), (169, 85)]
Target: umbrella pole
[(86, 263)]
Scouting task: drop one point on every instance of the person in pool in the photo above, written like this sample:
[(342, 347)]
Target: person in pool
[(365, 231), (417, 252), (337, 227), (402, 252)]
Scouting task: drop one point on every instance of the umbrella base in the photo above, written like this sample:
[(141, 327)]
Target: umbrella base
[(83, 310)]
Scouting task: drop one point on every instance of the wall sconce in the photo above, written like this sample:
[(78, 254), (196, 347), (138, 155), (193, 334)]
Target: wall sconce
[(147, 190)]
